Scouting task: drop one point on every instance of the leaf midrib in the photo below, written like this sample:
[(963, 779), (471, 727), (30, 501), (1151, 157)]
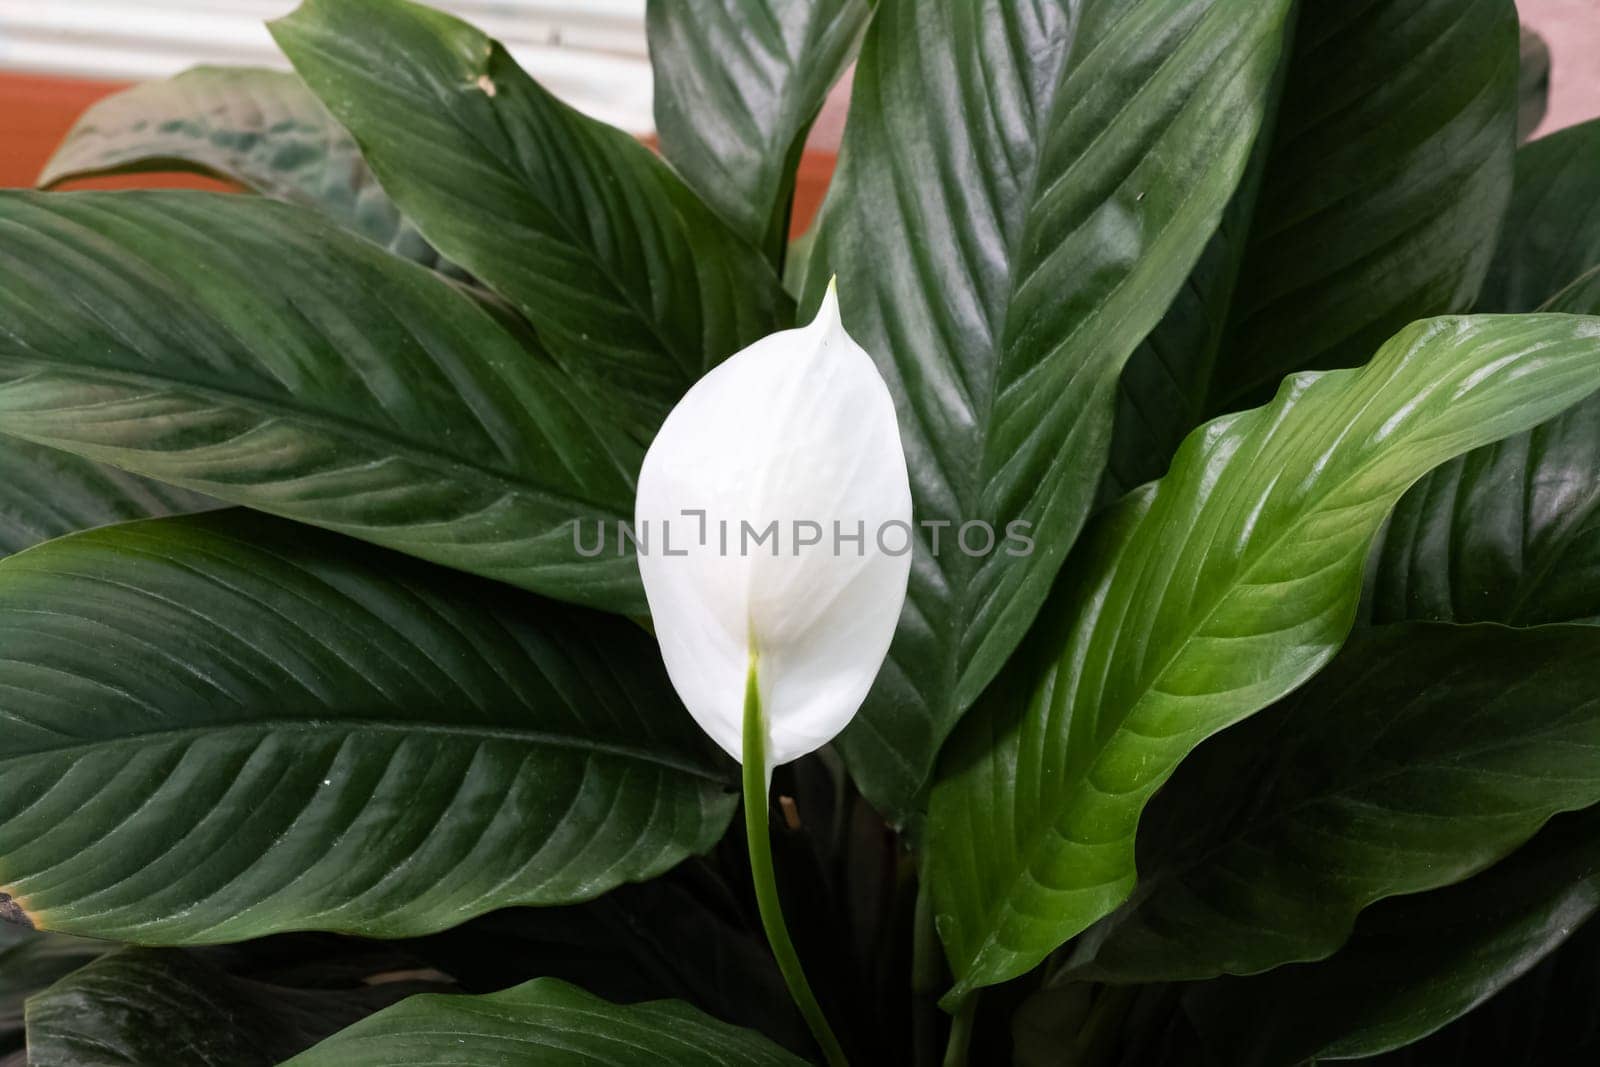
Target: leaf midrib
[(991, 939), (465, 731), (334, 425)]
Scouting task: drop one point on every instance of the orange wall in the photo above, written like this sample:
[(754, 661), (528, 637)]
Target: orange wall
[(36, 112)]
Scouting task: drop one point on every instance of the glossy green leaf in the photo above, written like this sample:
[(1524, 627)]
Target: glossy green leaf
[(1533, 84), (546, 1022), (1552, 232), (1582, 297), (682, 936), (1507, 533), (1382, 181), (1415, 963), (47, 493), (1197, 601), (30, 961), (1420, 756), (1022, 190), (223, 726), (635, 286), (262, 355), (1390, 169), (170, 1007), (737, 86), (261, 128), (1545, 1017)]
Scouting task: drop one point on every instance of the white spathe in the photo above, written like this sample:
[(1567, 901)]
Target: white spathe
[(799, 428)]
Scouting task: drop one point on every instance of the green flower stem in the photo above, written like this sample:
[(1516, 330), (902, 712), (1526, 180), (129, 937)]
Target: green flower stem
[(757, 781), (955, 1053)]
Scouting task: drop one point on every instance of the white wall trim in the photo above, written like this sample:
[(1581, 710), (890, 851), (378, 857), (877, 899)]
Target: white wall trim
[(592, 53)]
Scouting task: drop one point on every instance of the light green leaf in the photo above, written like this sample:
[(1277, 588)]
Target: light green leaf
[(261, 128), (1415, 963), (1383, 178), (1507, 533), (634, 285), (546, 1022), (223, 726), (173, 1008), (46, 493), (262, 355), (737, 86), (1021, 193), (1423, 754), (1552, 232), (1197, 601)]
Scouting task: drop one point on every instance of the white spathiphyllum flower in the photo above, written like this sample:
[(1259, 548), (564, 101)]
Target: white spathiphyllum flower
[(777, 510)]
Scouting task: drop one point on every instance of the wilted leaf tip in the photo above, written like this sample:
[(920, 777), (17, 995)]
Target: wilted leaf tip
[(13, 912)]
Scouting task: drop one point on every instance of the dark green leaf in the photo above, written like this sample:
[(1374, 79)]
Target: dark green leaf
[(737, 86), (1533, 84), (1545, 1017), (1420, 756), (680, 936), (636, 287), (46, 493), (223, 726), (260, 128), (546, 1022), (1389, 172), (262, 355), (143, 1007), (1197, 601), (29, 961), (1507, 533), (1023, 189), (1552, 233), (1582, 297), (1415, 963), (1381, 188), (1162, 393)]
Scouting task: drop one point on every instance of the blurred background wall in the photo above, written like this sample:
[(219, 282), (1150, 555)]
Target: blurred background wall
[(59, 56)]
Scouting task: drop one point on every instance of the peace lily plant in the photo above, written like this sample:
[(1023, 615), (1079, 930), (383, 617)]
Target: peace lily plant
[(1165, 633), (773, 653)]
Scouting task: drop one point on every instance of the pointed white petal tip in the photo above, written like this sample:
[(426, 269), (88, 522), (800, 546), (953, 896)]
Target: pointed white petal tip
[(774, 514)]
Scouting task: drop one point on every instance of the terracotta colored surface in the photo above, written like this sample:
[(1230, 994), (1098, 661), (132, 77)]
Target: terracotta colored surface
[(1572, 30), (36, 112)]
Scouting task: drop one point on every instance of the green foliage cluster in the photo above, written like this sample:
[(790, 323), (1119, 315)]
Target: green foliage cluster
[(1283, 745)]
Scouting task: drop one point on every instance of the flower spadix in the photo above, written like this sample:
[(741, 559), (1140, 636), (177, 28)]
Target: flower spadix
[(774, 520)]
